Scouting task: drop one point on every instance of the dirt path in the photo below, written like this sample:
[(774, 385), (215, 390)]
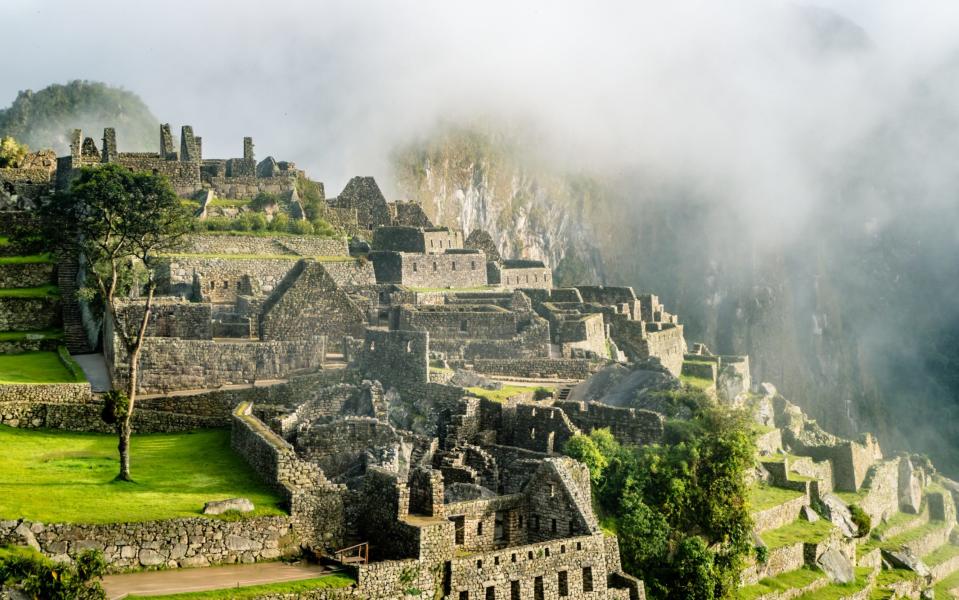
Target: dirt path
[(156, 583)]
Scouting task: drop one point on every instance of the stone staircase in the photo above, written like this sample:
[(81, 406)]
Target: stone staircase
[(74, 335)]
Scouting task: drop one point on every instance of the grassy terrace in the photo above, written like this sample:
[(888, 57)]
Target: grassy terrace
[(835, 591), (44, 291), (68, 477), (335, 580), (478, 288), (266, 233), (943, 588), (904, 538), (941, 555), (763, 497), (35, 367), (799, 530), (44, 334), (292, 257), (504, 393), (797, 579), (26, 260)]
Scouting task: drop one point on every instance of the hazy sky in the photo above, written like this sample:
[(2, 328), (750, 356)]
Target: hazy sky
[(735, 91)]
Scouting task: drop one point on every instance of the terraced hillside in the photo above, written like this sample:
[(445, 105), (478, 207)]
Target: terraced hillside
[(835, 519)]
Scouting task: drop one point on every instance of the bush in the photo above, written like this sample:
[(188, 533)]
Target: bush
[(12, 152), (280, 222), (301, 227), (862, 519), (322, 227), (762, 554), (39, 577)]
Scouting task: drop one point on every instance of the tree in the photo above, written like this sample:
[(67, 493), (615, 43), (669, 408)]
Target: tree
[(120, 221), (12, 152), (584, 449)]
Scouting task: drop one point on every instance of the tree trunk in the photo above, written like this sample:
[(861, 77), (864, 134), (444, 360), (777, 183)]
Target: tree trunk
[(125, 428)]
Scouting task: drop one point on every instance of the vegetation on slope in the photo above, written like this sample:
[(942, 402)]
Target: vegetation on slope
[(681, 507), (335, 580), (69, 477), (44, 119)]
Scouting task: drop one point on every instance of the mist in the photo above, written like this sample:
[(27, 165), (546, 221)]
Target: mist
[(825, 130)]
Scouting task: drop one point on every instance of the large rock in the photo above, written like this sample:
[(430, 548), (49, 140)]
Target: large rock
[(838, 513), (807, 513), (905, 559), (910, 489), (151, 558), (219, 507), (836, 566), (236, 543), (26, 536)]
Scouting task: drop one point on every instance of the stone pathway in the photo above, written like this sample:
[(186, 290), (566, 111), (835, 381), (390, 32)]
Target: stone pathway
[(95, 368), (157, 583)]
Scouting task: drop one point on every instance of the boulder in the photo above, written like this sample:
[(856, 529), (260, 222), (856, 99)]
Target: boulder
[(836, 566), (199, 560), (26, 536), (809, 514), (905, 559), (236, 543), (150, 558), (218, 507), (838, 513), (910, 489)]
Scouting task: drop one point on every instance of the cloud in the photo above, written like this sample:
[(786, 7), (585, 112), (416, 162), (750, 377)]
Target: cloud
[(741, 94)]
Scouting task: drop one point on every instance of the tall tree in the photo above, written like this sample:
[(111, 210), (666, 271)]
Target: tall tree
[(120, 221)]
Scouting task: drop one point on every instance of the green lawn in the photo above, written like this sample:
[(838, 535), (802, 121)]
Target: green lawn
[(43, 291), (68, 477), (229, 202), (763, 497), (45, 334), (504, 393), (336, 580), (35, 367), (941, 554), (836, 591), (797, 579), (799, 530), (24, 260)]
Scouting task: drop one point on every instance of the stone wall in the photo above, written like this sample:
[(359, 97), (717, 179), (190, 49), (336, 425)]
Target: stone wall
[(515, 274), (460, 321), (781, 560), (169, 317), (539, 428), (396, 357), (297, 245), (52, 393), (172, 363), (536, 569), (565, 368), (629, 425), (29, 314), (21, 275), (778, 516), (220, 279), (307, 304), (531, 342), (452, 269), (192, 542), (316, 506)]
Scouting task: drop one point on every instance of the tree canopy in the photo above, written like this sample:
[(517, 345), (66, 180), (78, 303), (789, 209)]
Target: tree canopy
[(679, 507)]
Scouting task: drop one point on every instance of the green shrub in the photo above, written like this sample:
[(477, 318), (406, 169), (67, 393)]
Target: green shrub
[(280, 222), (12, 152), (762, 554), (861, 518), (39, 577), (301, 227)]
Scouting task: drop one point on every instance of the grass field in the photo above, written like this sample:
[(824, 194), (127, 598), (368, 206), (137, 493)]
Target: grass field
[(26, 260), (34, 367), (336, 580), (762, 497), (68, 477), (504, 393), (799, 578), (34, 292), (44, 334)]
